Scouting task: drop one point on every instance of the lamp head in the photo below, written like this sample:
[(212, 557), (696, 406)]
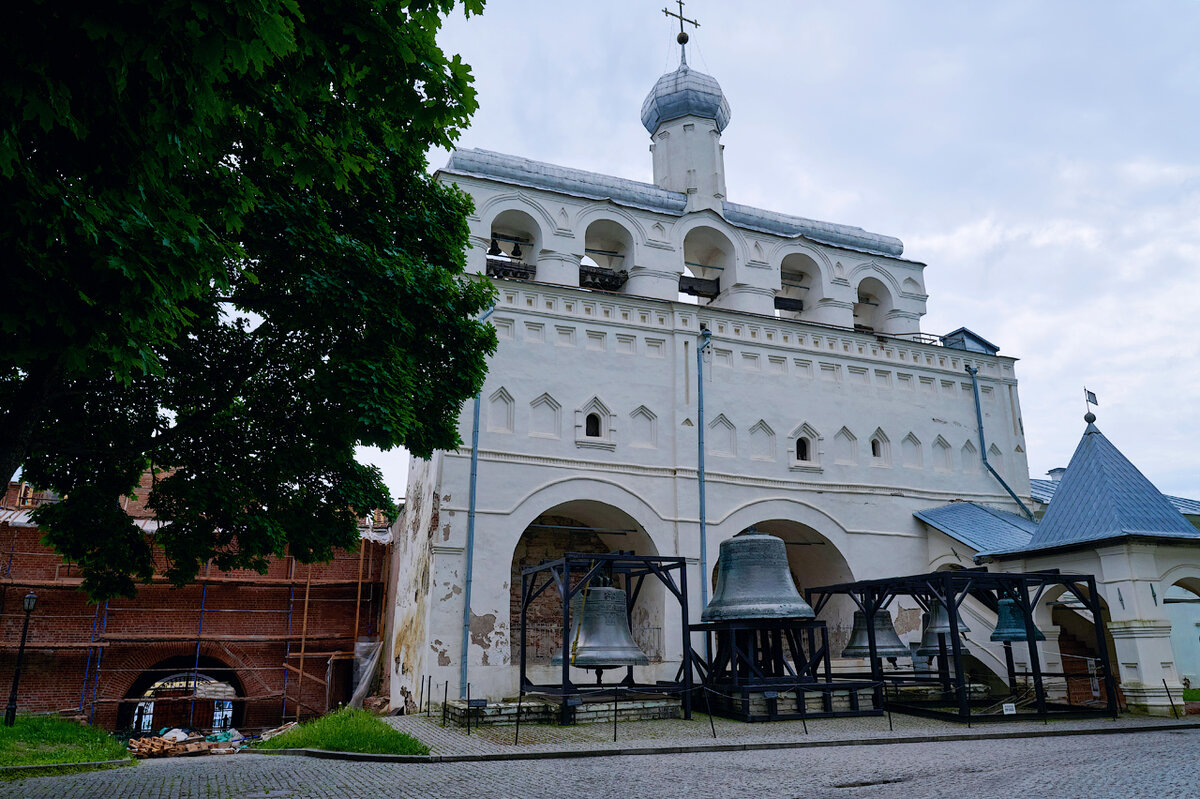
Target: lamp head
[(30, 602)]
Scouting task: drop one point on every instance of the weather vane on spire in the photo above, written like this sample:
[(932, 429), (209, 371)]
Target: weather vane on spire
[(682, 38)]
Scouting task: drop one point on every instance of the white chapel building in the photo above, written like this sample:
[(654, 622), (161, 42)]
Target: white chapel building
[(830, 418)]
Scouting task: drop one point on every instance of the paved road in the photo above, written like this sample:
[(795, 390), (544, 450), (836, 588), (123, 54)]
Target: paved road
[(1158, 764)]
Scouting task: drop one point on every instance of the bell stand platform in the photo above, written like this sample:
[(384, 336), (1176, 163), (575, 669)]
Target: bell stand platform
[(570, 575), (755, 662), (951, 588)]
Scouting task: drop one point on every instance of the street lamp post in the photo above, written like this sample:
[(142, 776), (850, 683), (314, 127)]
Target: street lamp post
[(10, 713)]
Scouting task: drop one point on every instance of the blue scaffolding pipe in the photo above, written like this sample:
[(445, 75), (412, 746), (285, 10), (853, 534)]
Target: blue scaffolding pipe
[(88, 668), (287, 651), (196, 663), (99, 657)]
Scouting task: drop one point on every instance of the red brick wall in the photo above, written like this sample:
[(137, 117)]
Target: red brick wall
[(162, 624)]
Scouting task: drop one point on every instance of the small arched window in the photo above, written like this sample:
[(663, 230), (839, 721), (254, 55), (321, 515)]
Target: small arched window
[(876, 448), (802, 453), (591, 425)]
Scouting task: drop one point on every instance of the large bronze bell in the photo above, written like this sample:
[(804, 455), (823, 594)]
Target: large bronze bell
[(605, 640), (887, 642), (754, 582), (937, 622), (1010, 623)]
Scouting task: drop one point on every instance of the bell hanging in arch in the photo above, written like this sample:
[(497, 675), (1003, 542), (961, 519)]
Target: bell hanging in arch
[(754, 581), (1010, 623), (494, 249), (604, 640), (937, 622), (887, 642)]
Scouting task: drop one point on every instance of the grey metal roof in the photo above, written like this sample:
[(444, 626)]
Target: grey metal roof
[(982, 528), (577, 182), (823, 232), (685, 92), (526, 172), (1043, 492), (1103, 496)]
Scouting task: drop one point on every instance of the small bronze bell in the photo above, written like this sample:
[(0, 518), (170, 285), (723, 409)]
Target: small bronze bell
[(887, 642), (516, 253), (937, 622), (754, 582), (1010, 623), (495, 249)]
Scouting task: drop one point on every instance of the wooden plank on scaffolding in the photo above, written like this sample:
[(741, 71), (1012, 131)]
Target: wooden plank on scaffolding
[(295, 670)]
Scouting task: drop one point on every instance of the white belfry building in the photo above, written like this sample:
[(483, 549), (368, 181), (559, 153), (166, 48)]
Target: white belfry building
[(830, 418)]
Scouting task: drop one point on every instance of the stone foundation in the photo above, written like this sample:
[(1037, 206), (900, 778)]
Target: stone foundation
[(541, 711)]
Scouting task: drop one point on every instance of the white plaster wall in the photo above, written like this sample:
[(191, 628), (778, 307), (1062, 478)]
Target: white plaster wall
[(564, 347)]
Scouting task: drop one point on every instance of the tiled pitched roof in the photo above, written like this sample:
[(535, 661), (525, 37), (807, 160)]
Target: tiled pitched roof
[(982, 528), (1043, 492), (1103, 496)]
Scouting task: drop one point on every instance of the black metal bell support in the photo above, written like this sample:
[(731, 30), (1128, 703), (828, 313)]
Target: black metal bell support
[(1010, 623), (572, 634), (937, 622), (887, 641), (605, 640), (754, 582)]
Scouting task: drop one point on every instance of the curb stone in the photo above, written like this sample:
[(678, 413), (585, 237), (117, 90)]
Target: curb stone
[(715, 747), (91, 764)]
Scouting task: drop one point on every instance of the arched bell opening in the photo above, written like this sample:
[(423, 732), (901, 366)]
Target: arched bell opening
[(800, 288), (584, 526), (813, 561), (183, 692), (1070, 633), (708, 256), (607, 255), (872, 305), (514, 245), (1181, 603)]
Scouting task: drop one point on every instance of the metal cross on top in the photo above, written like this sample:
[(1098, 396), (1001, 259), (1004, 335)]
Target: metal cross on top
[(683, 37)]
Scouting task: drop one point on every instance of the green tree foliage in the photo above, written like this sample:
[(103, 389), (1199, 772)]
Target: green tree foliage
[(224, 261)]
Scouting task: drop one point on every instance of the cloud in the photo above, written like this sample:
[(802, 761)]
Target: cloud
[(1040, 158)]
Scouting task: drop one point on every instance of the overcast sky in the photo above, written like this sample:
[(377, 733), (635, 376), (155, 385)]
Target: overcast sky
[(1043, 158)]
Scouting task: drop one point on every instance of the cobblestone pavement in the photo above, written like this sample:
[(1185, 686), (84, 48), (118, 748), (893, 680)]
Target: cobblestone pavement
[(1162, 765), (1158, 764)]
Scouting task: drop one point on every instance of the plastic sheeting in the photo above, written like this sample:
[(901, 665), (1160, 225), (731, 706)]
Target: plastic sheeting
[(366, 661)]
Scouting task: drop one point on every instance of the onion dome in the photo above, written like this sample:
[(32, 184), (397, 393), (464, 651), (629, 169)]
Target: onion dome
[(685, 92)]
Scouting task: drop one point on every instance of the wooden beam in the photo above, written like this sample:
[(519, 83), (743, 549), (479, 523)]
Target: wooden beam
[(292, 668)]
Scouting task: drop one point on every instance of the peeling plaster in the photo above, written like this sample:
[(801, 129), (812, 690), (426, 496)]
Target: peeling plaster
[(482, 629)]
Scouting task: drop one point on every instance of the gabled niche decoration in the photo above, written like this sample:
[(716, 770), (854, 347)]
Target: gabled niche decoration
[(595, 426), (804, 447)]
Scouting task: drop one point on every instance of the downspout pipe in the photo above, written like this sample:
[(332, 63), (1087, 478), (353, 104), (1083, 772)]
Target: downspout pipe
[(466, 623), (705, 341), (973, 372)]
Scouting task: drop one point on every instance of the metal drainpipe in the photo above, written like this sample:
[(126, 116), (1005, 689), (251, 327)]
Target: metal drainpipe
[(705, 340), (973, 371), (466, 626)]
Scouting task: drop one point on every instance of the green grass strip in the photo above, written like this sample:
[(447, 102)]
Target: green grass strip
[(347, 730), (40, 740), (1191, 694)]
